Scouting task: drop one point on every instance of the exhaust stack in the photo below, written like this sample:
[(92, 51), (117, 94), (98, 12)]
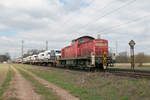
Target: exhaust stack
[(99, 36)]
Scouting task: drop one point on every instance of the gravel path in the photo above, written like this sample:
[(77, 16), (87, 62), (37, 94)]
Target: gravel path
[(63, 94), (20, 88)]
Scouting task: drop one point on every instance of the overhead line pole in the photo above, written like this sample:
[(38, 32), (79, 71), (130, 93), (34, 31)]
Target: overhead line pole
[(46, 45), (22, 51), (116, 47)]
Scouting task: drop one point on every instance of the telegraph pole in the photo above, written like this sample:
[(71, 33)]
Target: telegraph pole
[(22, 51), (46, 45)]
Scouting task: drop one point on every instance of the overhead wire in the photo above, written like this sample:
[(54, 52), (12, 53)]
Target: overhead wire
[(105, 6), (115, 10), (128, 3), (129, 22)]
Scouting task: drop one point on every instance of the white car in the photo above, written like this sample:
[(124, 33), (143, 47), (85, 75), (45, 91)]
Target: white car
[(41, 56), (24, 59), (55, 54), (34, 57), (47, 54), (28, 58)]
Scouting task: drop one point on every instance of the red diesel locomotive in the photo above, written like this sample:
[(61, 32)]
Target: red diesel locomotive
[(86, 52)]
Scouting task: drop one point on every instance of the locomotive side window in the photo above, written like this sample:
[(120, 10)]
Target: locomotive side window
[(73, 42), (81, 40), (89, 39)]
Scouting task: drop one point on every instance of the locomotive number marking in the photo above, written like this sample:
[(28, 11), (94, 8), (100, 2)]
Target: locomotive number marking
[(101, 44)]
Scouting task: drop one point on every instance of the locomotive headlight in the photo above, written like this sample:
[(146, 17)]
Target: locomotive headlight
[(105, 53)]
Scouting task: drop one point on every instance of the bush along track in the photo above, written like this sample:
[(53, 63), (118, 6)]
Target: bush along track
[(39, 88), (6, 83)]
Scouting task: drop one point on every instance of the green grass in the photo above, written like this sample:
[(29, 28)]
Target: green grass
[(6, 82), (94, 86), (40, 89)]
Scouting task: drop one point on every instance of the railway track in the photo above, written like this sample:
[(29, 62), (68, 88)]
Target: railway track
[(138, 74)]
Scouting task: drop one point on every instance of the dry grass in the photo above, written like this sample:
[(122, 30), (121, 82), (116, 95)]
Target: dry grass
[(3, 72), (146, 66), (6, 82)]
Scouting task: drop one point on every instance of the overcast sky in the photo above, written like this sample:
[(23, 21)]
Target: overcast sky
[(60, 21)]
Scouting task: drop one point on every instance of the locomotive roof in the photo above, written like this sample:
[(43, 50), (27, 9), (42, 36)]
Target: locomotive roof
[(84, 37)]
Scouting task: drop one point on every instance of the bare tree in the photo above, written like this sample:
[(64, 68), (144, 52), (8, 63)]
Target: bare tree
[(4, 57), (122, 57), (32, 52)]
